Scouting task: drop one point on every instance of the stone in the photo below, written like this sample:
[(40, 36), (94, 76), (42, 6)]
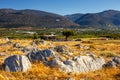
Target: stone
[(114, 62), (37, 42), (42, 42), (2, 54), (29, 49), (16, 63), (70, 78), (54, 62), (86, 47), (110, 64), (116, 59), (17, 45), (63, 49), (40, 55), (78, 45)]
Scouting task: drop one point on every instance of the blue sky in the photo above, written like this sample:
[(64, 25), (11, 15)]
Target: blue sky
[(63, 7)]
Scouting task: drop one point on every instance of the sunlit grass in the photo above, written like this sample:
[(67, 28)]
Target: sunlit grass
[(39, 71)]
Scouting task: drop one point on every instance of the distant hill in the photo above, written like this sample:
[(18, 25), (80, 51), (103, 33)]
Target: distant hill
[(109, 19), (11, 18)]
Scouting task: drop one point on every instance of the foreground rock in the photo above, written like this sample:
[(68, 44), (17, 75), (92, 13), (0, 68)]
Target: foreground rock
[(40, 55), (114, 62), (78, 64), (17, 63)]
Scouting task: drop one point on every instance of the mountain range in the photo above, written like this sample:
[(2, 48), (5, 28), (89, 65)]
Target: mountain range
[(11, 18), (109, 19)]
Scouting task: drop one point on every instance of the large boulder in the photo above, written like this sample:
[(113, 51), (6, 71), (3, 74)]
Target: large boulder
[(79, 64), (40, 55), (17, 63)]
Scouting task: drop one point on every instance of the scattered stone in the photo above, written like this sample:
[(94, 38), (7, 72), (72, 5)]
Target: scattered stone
[(17, 63)]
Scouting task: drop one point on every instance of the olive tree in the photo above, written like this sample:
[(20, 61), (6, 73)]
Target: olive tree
[(67, 33)]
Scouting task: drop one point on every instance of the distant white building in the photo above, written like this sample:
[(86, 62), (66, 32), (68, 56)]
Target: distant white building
[(26, 32)]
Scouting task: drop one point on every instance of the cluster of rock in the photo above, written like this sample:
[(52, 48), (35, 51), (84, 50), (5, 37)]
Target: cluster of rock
[(17, 63), (76, 64)]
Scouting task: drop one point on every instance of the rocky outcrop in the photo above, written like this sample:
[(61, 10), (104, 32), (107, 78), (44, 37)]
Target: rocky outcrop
[(114, 62), (40, 55), (86, 61), (79, 64), (17, 63)]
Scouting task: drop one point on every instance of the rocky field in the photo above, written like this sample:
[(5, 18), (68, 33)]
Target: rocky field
[(88, 59)]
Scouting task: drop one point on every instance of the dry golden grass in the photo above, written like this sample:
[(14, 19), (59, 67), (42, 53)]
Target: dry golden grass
[(41, 72)]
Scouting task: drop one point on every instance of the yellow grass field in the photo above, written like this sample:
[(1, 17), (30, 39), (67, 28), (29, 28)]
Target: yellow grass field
[(105, 48)]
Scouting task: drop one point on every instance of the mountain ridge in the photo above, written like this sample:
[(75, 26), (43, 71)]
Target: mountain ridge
[(11, 18), (108, 19)]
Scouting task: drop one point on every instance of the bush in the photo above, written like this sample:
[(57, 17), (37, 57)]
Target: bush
[(35, 36)]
